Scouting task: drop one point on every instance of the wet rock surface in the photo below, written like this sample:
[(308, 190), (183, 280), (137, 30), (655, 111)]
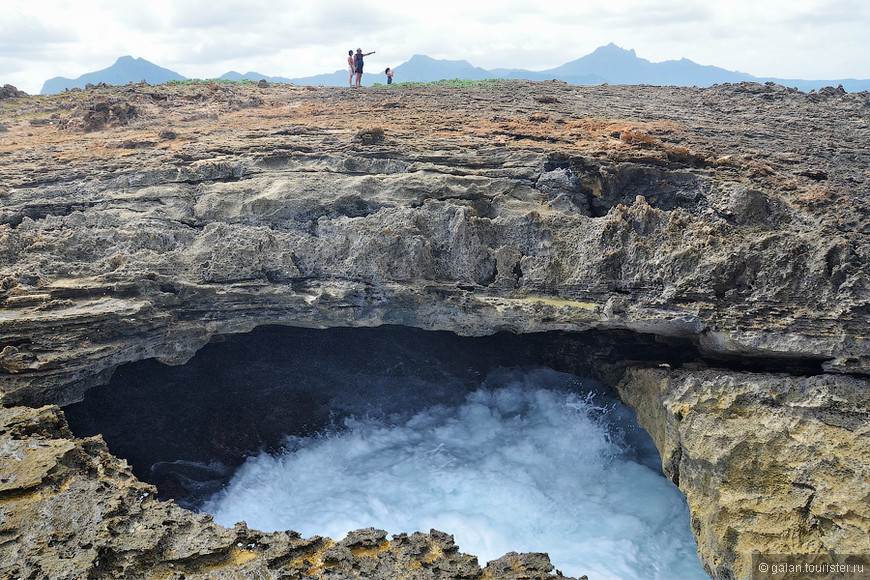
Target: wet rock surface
[(141, 222), (72, 510)]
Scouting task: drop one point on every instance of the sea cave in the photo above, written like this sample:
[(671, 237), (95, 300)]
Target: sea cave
[(495, 440)]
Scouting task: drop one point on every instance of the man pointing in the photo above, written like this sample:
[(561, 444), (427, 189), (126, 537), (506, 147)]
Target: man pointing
[(358, 64)]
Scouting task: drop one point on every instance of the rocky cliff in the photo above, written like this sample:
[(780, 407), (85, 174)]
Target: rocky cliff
[(730, 223)]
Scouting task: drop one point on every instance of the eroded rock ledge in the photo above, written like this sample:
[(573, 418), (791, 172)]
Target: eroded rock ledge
[(140, 222)]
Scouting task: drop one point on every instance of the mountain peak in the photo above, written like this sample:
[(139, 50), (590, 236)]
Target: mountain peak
[(425, 68), (126, 69), (424, 59), (613, 50)]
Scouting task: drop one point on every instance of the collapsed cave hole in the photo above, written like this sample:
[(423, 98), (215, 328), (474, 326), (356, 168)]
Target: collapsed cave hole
[(326, 431)]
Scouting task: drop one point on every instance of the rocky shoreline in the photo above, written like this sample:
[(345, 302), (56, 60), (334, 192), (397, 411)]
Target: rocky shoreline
[(141, 222), (119, 530)]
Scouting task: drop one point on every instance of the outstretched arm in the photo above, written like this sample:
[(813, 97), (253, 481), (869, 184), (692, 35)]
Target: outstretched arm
[(368, 53)]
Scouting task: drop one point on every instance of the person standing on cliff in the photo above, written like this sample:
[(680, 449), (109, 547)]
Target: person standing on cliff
[(351, 67), (358, 64), (389, 76)]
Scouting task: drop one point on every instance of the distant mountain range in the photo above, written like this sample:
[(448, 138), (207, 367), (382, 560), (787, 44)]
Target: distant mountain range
[(125, 70), (607, 64)]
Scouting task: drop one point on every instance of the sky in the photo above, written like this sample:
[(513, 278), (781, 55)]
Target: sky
[(806, 39)]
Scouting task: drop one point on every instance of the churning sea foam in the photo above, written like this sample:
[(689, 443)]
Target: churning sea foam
[(525, 463)]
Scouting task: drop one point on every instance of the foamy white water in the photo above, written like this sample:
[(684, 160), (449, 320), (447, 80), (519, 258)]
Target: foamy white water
[(522, 464)]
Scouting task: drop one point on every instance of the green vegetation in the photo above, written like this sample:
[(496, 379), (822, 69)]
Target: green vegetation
[(444, 83), (45, 113), (210, 81)]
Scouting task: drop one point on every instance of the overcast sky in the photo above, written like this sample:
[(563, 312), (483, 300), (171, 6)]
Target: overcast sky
[(809, 39)]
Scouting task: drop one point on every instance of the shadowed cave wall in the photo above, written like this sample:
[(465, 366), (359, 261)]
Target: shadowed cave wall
[(184, 428)]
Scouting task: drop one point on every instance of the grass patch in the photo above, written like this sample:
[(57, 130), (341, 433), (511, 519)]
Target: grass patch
[(184, 82), (443, 83), (38, 114)]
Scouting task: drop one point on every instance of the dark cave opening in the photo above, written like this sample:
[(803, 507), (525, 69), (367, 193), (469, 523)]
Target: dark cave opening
[(254, 401), (186, 428)]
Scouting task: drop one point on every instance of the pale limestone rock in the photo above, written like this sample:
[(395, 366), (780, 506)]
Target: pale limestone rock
[(769, 463)]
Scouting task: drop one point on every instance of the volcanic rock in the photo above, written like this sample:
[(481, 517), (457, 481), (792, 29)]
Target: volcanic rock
[(10, 92), (731, 220), (75, 511)]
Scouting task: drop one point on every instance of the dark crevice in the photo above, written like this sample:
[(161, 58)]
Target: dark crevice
[(42, 211), (16, 342), (127, 290), (672, 469), (605, 350), (597, 186), (797, 366)]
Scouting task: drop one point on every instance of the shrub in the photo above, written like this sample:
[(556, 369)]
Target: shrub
[(636, 137)]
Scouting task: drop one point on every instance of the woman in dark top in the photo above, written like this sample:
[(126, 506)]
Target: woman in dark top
[(358, 64)]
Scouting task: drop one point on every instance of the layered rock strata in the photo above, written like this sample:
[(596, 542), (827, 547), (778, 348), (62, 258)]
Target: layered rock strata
[(140, 222)]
